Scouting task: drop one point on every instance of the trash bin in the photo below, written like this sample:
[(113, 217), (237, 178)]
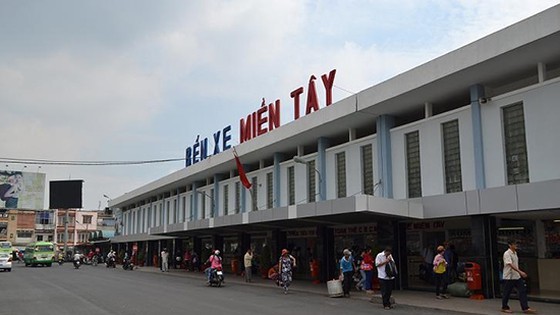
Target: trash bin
[(474, 277), (474, 280)]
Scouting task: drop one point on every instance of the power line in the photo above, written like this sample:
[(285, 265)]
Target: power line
[(84, 163)]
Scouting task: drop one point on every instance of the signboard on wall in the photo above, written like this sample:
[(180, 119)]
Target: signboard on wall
[(22, 190)]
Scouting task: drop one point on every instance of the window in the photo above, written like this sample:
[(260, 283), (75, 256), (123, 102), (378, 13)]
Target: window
[(291, 186), (150, 217), (311, 181), (167, 212), (515, 144), (367, 169), (86, 219), (341, 175), (39, 238), (237, 197), (413, 164), (193, 207), (452, 156), (203, 197), (184, 211), (43, 217), (269, 191), (254, 194), (226, 199), (24, 234), (211, 198), (175, 211)]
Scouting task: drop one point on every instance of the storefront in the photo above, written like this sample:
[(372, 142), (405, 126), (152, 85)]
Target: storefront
[(422, 238), (538, 237)]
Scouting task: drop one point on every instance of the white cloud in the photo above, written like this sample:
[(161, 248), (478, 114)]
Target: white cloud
[(134, 87)]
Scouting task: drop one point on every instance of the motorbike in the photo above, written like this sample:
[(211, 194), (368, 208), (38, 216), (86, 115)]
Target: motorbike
[(128, 265), (60, 261), (216, 277), (110, 262), (77, 263)]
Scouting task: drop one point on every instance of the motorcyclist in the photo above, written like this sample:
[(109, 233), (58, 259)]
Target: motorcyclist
[(77, 259), (111, 257), (215, 264)]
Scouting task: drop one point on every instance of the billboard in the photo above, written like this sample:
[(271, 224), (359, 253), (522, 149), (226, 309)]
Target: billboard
[(22, 190), (65, 194)]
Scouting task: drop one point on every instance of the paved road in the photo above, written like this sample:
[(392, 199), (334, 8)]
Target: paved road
[(97, 290)]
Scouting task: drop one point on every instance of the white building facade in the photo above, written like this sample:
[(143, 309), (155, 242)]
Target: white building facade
[(463, 149)]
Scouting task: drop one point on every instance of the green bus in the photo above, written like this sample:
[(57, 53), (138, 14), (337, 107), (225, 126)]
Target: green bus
[(6, 247), (39, 253)]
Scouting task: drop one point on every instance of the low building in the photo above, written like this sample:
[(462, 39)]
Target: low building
[(463, 149)]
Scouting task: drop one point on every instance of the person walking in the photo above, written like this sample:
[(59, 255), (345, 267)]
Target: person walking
[(440, 272), (514, 278), (164, 260), (285, 264), (385, 280), (362, 274), (248, 264), (367, 267), (346, 271)]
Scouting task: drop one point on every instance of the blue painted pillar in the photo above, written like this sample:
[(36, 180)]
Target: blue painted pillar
[(477, 92), (384, 165), (194, 206), (322, 167), (276, 177), (216, 197)]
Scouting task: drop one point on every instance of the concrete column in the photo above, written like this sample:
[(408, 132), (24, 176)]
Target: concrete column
[(384, 124), (541, 69), (428, 110), (477, 92)]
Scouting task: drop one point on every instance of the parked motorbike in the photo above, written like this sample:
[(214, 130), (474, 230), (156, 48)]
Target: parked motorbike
[(60, 261), (77, 264), (128, 265), (216, 277)]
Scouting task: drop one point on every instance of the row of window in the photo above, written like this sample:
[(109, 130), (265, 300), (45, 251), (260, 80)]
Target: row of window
[(515, 149), (516, 156)]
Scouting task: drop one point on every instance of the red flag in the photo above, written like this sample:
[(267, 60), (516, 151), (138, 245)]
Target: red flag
[(242, 175)]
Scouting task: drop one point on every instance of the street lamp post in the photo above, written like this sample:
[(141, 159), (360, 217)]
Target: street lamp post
[(299, 160)]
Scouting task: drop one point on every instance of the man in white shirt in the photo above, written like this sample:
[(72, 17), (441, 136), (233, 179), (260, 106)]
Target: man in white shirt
[(248, 264), (513, 277), (385, 282), (164, 260)]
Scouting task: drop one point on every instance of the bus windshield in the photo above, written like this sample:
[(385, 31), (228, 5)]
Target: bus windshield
[(44, 248)]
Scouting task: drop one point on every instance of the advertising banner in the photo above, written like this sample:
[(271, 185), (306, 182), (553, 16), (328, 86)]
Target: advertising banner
[(22, 190)]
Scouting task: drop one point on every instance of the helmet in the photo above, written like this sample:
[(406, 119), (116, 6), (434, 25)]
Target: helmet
[(217, 252)]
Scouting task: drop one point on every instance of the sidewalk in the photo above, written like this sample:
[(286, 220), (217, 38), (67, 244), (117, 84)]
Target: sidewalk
[(402, 297)]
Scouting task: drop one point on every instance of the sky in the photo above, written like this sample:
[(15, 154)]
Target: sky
[(138, 80)]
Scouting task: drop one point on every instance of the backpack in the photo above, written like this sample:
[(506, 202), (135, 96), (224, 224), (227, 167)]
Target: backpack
[(3, 189), (391, 269)]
